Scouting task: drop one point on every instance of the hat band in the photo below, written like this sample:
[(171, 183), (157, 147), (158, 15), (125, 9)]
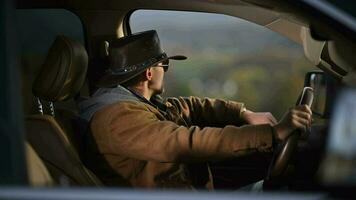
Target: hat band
[(128, 69)]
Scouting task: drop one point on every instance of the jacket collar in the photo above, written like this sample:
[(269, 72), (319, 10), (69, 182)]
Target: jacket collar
[(156, 101), (107, 96), (140, 97)]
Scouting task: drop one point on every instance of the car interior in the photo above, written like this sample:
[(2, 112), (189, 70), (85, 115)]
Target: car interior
[(53, 136)]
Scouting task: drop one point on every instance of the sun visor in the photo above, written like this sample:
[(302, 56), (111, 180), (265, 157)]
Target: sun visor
[(318, 52), (312, 48)]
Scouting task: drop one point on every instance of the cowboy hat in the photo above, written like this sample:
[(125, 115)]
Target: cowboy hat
[(131, 55)]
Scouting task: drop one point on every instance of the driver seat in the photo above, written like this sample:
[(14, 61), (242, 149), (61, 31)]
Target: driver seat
[(60, 78)]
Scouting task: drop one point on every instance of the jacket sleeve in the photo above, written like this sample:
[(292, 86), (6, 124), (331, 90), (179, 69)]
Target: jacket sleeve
[(208, 112), (138, 133)]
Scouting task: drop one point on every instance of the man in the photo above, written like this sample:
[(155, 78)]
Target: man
[(138, 140)]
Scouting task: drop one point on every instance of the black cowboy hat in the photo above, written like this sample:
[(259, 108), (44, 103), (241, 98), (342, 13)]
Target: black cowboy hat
[(129, 56)]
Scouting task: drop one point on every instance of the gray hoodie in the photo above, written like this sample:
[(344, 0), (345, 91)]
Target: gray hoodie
[(103, 97)]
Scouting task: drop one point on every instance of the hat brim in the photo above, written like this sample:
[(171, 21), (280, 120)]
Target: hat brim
[(111, 80)]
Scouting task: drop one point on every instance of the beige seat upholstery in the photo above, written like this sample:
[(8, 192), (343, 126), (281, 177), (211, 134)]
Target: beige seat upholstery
[(61, 77), (38, 174)]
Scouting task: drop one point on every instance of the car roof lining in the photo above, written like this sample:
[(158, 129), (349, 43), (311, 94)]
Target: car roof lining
[(268, 13), (236, 8)]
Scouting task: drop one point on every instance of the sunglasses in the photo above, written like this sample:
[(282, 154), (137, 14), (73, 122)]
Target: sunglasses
[(164, 65)]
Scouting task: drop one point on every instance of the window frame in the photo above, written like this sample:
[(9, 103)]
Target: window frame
[(13, 170)]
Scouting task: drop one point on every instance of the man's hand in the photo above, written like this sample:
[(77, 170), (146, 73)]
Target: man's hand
[(299, 117), (255, 118)]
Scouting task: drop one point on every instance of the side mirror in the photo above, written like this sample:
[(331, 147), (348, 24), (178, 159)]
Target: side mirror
[(317, 81)]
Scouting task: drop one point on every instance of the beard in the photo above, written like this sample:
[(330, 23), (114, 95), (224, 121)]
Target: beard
[(159, 91)]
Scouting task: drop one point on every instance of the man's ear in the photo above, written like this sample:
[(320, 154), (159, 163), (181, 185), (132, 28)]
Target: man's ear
[(149, 73)]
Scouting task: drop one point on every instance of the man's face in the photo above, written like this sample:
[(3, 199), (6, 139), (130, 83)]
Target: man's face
[(156, 84)]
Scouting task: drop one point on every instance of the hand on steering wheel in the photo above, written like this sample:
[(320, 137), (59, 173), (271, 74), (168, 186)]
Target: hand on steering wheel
[(298, 117), (287, 133)]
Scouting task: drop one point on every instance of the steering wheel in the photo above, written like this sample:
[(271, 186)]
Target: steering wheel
[(286, 149)]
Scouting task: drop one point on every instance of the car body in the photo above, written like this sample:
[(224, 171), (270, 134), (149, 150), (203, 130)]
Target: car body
[(325, 29)]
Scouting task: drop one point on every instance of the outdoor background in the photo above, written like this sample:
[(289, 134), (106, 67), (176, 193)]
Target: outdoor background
[(228, 58)]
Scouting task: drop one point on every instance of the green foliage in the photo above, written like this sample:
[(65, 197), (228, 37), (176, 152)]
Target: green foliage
[(269, 82)]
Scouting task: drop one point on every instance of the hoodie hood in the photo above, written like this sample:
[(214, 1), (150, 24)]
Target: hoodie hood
[(103, 97)]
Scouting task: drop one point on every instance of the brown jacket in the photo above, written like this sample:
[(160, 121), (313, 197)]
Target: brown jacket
[(134, 144)]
